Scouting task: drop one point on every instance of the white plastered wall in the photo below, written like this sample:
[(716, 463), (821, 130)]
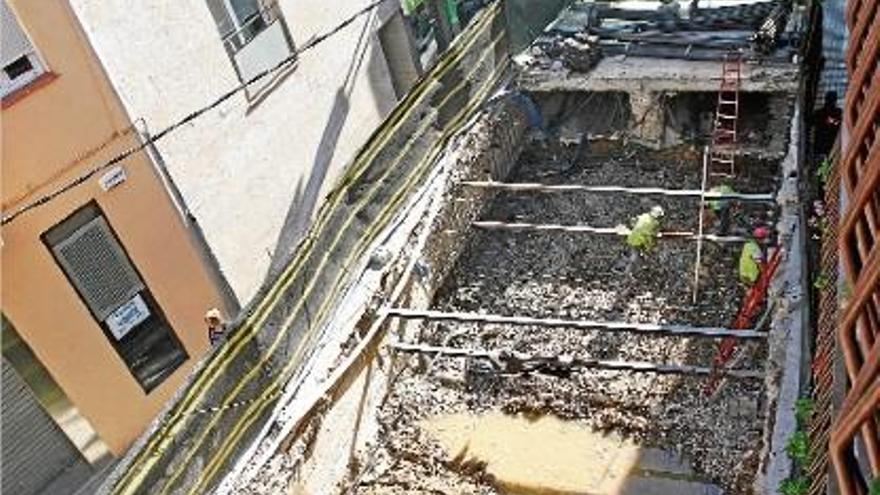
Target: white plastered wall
[(244, 169)]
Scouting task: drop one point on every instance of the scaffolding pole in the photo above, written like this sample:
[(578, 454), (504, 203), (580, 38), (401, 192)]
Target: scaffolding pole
[(700, 232), (655, 191), (510, 361), (615, 326), (587, 229)]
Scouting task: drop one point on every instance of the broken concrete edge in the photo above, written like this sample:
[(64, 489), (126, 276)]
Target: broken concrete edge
[(642, 74), (788, 357), (652, 98), (306, 404), (407, 236)]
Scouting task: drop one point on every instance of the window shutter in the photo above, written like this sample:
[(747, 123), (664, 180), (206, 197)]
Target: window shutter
[(15, 43), (98, 267), (36, 452)]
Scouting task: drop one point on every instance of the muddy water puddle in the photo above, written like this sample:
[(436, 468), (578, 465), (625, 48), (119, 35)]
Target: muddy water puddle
[(544, 455)]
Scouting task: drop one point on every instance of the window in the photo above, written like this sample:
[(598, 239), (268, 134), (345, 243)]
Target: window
[(238, 21), (253, 33), (97, 266), (20, 63), (20, 67)]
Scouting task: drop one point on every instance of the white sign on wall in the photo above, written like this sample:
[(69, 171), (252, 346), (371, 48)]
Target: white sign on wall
[(127, 316), (112, 178)]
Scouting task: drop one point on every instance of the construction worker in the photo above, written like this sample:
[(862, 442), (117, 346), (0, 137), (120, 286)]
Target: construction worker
[(721, 207), (216, 326), (752, 257), (827, 124), (643, 234)]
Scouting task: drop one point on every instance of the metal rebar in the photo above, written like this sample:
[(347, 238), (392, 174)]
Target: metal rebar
[(557, 362), (587, 229), (656, 191), (618, 326)]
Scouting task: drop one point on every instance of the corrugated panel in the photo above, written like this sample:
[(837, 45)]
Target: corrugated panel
[(98, 267), (37, 456)]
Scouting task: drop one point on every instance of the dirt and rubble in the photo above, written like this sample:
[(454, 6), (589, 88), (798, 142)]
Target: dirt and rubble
[(584, 277)]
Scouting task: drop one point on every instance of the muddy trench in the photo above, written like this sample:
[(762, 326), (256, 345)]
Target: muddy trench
[(431, 422)]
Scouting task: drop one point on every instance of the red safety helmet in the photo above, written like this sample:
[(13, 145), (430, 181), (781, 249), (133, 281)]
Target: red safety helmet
[(761, 233)]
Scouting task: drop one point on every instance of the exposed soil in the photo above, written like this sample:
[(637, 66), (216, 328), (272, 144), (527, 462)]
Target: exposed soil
[(585, 276)]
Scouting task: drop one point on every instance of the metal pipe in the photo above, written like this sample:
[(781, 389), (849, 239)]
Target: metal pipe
[(538, 187), (521, 362), (700, 232), (618, 326), (587, 229)]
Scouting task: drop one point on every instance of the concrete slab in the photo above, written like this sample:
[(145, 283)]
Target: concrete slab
[(651, 74)]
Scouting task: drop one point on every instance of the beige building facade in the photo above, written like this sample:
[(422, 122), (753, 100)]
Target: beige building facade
[(104, 286)]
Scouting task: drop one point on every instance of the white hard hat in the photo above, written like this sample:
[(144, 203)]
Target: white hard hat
[(213, 314)]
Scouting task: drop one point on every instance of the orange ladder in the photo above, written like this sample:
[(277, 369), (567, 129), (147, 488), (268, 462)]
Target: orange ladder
[(723, 151)]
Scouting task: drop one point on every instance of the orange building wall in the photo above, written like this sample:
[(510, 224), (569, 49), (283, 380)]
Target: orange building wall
[(43, 133)]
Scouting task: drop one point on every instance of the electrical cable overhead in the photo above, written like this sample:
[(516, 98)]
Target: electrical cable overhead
[(311, 43)]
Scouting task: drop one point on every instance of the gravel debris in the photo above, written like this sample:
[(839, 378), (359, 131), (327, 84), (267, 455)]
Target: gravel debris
[(585, 277)]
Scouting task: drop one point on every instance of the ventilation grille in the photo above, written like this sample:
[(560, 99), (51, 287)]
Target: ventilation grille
[(98, 268)]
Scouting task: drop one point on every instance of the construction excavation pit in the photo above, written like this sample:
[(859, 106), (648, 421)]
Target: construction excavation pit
[(547, 328), (525, 343), (572, 263)]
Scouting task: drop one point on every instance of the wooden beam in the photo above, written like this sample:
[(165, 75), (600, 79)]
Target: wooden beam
[(614, 326), (696, 288)]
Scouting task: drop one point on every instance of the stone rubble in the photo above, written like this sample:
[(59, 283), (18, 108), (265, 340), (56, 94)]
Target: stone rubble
[(585, 277)]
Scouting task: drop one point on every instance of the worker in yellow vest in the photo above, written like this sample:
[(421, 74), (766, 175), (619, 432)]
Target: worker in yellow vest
[(751, 259), (720, 208), (642, 236), (646, 227)]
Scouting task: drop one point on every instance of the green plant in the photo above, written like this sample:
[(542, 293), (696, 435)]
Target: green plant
[(823, 171), (798, 447), (794, 486), (874, 487), (803, 410), (821, 281)]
